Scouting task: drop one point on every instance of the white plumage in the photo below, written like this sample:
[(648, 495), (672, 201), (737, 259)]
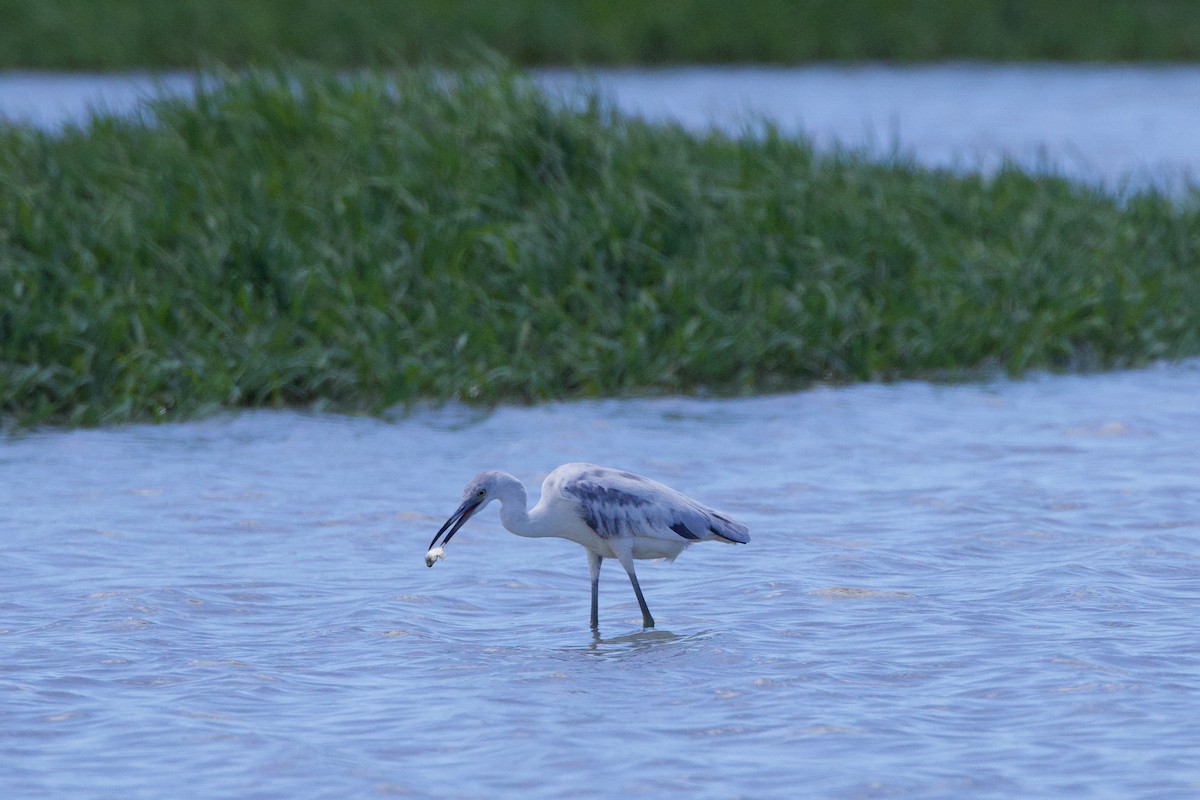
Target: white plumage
[(610, 512)]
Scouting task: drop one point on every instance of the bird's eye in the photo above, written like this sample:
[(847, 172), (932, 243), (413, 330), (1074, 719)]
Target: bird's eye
[(480, 493)]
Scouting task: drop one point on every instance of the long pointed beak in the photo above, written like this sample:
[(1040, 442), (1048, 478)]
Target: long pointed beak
[(457, 519)]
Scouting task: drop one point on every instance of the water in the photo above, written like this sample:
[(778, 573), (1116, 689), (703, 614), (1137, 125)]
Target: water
[(982, 590), (1115, 126), (1111, 125)]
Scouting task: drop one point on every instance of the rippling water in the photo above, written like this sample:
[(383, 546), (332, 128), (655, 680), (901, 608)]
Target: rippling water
[(973, 590)]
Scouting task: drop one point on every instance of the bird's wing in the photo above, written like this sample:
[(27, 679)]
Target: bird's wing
[(615, 503)]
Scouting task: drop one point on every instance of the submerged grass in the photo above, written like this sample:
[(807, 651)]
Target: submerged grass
[(86, 34), (299, 237)]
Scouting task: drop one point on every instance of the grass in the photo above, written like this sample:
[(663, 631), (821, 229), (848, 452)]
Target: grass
[(123, 34), (303, 238)]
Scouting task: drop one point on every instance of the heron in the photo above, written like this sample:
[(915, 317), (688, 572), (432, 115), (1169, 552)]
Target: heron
[(610, 512)]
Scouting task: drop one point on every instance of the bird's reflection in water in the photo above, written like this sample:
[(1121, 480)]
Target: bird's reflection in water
[(643, 641)]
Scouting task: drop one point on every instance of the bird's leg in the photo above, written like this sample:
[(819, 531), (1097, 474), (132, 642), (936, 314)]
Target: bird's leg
[(647, 620), (594, 562), (627, 563)]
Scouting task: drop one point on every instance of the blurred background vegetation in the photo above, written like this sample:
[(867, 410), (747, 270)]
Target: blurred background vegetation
[(124, 34)]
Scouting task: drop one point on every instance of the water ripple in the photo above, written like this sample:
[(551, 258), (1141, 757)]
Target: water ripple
[(951, 591)]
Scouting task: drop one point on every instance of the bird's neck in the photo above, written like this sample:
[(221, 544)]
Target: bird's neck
[(515, 517), (514, 513)]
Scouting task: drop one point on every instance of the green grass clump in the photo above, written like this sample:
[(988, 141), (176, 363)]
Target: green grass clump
[(301, 237), (86, 34)]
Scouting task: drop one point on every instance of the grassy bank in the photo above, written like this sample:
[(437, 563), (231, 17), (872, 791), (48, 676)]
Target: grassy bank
[(85, 34), (362, 243)]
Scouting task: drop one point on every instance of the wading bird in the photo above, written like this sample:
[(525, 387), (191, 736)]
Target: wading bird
[(612, 513)]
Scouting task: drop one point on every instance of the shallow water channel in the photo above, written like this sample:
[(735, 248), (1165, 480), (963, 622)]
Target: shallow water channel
[(1116, 126), (967, 590)]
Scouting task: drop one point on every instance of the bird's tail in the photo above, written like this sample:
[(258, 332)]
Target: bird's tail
[(727, 529)]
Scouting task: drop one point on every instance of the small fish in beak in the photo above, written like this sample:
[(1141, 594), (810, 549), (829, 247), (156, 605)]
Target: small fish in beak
[(434, 555)]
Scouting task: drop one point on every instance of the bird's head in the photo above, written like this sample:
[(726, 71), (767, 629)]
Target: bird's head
[(483, 489)]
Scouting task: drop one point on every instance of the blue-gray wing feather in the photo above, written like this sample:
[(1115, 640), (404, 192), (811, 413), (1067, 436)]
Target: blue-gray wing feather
[(608, 511), (614, 503)]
